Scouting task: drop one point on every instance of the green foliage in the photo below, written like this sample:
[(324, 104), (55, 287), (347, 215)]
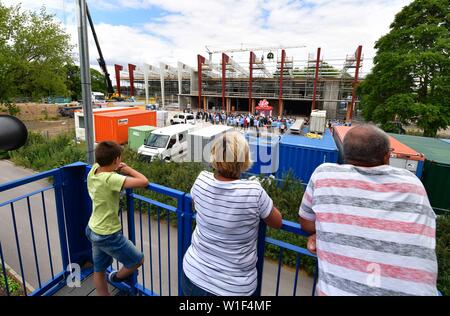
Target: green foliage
[(287, 196), (74, 81), (443, 253), (33, 51), (4, 154), (10, 108), (410, 81), (14, 287), (40, 153)]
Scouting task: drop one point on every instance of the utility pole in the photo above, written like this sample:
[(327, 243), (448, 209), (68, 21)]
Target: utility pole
[(85, 78)]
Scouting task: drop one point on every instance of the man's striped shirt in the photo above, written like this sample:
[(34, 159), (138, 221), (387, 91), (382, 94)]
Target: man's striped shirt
[(222, 257), (375, 231)]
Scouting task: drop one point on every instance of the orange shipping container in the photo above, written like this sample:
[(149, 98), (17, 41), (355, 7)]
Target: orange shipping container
[(114, 125), (402, 156)]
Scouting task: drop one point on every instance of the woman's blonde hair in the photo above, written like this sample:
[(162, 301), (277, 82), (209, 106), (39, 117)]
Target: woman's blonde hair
[(230, 155)]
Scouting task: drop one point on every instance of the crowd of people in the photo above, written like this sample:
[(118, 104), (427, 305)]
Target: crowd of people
[(245, 121), (371, 224)]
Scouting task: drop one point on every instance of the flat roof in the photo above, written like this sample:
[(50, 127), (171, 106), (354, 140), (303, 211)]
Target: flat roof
[(173, 129), (325, 143), (211, 130)]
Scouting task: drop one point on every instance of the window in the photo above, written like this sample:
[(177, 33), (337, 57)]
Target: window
[(172, 141), (81, 121), (158, 141)]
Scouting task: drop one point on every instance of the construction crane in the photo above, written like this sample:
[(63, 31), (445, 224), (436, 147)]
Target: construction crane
[(101, 60), (254, 49)]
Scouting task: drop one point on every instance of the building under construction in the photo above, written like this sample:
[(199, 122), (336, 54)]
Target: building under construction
[(293, 87)]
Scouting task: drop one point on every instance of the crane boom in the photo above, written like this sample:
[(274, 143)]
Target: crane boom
[(251, 49), (101, 60)]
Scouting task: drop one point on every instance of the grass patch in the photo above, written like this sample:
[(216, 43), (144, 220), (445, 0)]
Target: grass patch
[(14, 287)]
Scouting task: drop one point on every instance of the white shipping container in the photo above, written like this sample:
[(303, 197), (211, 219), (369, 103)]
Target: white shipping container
[(200, 141), (297, 126), (162, 118), (318, 121)]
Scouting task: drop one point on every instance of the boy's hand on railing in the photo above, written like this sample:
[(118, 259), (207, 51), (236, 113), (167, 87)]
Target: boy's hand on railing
[(121, 166), (311, 244)]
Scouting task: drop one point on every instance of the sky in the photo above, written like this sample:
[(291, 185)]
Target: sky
[(153, 31)]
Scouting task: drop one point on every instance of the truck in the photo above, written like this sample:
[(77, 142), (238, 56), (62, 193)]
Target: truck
[(98, 98), (167, 143), (200, 141)]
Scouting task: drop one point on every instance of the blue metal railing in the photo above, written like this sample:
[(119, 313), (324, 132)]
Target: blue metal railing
[(156, 276), (18, 236)]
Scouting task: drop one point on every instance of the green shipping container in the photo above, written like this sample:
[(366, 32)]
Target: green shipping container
[(137, 136), (436, 171)]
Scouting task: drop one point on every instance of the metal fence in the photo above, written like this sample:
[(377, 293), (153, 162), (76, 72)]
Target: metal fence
[(161, 231)]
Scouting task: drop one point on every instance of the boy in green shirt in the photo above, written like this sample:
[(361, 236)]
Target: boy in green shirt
[(108, 176)]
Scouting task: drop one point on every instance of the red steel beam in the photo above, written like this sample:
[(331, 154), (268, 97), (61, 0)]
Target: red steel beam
[(250, 82), (200, 61), (355, 84), (225, 60), (316, 79), (118, 68), (280, 97), (131, 69)]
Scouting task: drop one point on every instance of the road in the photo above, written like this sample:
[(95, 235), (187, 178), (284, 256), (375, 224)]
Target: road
[(10, 172)]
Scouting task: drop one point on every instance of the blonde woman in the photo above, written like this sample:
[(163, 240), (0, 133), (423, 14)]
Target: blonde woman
[(222, 257)]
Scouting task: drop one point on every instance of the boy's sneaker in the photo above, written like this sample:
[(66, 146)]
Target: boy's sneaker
[(112, 277)]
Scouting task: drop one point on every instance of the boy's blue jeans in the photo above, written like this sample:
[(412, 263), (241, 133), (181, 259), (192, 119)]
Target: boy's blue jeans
[(105, 248)]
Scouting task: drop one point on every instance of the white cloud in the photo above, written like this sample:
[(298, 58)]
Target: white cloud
[(338, 27)]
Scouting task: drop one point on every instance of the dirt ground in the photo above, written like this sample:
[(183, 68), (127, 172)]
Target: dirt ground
[(44, 118)]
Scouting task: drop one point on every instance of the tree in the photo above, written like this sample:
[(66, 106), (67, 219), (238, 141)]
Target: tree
[(74, 81), (34, 49), (410, 80)]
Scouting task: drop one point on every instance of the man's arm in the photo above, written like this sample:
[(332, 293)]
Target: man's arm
[(134, 178), (307, 226)]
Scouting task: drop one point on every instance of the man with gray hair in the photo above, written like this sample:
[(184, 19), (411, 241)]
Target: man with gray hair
[(372, 226)]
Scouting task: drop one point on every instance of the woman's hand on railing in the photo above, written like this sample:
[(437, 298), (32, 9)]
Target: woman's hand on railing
[(311, 244)]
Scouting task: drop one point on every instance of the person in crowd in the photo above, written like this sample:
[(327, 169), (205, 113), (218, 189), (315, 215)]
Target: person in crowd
[(222, 257), (108, 176), (372, 224)]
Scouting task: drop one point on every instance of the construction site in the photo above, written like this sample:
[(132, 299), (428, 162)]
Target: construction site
[(236, 80)]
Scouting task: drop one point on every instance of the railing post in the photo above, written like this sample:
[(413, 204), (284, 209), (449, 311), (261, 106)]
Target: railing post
[(260, 252), (131, 230), (76, 210), (184, 234), (58, 181), (180, 240)]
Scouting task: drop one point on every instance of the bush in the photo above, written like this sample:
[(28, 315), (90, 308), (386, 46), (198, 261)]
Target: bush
[(443, 253), (4, 154), (40, 153), (14, 287)]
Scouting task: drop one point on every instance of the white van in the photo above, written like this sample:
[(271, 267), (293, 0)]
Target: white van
[(183, 118), (168, 143)]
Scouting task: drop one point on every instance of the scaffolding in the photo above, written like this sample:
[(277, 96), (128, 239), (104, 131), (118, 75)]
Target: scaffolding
[(228, 82)]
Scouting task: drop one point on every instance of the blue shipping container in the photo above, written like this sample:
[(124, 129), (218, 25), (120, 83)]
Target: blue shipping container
[(264, 152), (303, 155)]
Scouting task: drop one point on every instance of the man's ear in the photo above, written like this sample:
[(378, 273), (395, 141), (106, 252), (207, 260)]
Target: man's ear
[(387, 157)]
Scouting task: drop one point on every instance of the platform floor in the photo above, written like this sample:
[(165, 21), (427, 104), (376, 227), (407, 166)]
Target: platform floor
[(87, 289)]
